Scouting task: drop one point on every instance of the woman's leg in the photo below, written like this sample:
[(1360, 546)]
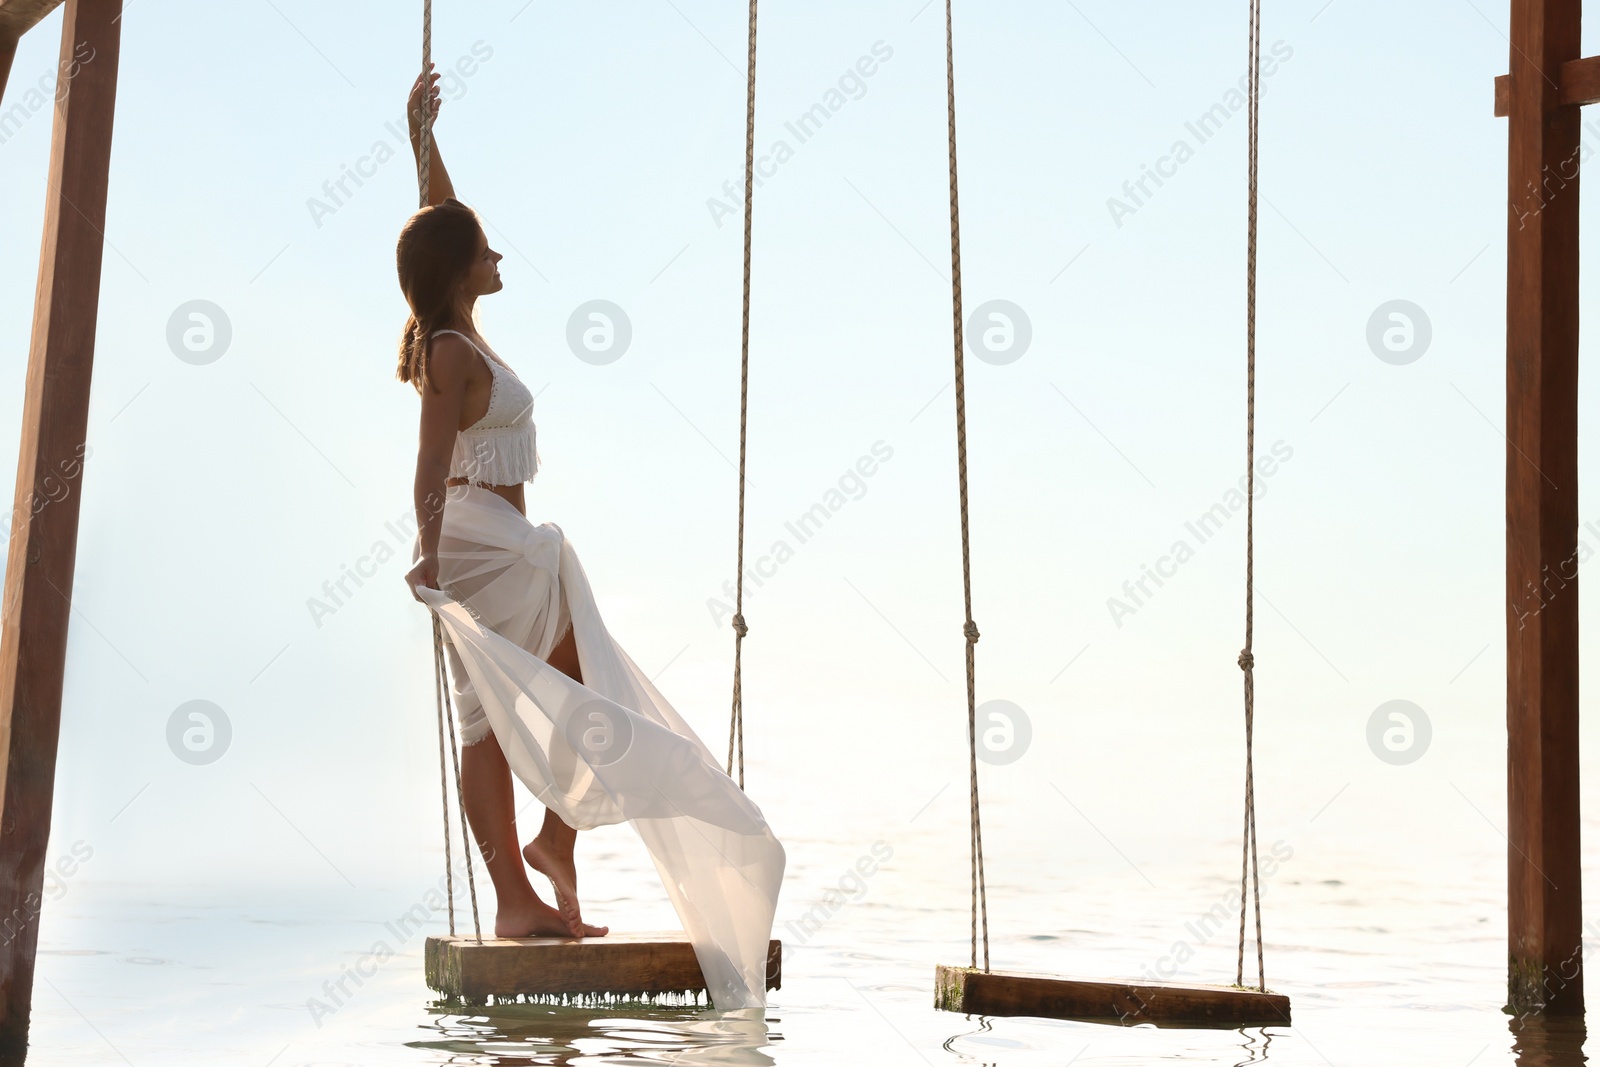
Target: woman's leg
[(490, 805), (564, 657), (551, 852)]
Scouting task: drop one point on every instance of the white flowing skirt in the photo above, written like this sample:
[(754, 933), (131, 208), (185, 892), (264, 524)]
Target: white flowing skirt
[(611, 748)]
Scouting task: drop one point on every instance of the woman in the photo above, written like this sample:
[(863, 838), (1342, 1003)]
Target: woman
[(541, 687), (446, 264)]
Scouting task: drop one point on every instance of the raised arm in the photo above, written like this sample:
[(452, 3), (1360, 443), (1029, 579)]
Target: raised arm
[(439, 187)]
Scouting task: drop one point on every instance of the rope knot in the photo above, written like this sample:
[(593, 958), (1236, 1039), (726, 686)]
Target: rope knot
[(738, 625), (971, 630), (1247, 660)]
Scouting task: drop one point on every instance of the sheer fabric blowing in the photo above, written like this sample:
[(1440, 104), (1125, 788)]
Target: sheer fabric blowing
[(609, 749)]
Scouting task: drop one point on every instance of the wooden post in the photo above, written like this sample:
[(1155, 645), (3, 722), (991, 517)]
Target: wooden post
[(1545, 907), (8, 52), (43, 524)]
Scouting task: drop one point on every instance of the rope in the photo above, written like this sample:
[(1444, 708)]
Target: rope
[(447, 715), (980, 897), (444, 786), (426, 140), (736, 723), (441, 690), (1249, 872)]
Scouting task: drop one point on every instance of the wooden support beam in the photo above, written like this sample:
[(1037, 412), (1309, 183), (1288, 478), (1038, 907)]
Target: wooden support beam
[(17, 17), (43, 524), (975, 992), (8, 52), (621, 964), (1545, 911), (1578, 83)]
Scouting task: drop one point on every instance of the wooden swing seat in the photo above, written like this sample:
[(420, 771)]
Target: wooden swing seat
[(617, 964), (975, 992)]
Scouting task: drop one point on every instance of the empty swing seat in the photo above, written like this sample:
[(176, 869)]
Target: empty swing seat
[(975, 992)]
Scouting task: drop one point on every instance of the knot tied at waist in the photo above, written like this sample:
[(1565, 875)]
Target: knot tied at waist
[(541, 546)]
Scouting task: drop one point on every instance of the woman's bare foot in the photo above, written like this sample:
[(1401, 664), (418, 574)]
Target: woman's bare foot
[(532, 919), (557, 865)]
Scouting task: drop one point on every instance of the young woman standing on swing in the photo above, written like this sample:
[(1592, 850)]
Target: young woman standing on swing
[(477, 438), (544, 690)]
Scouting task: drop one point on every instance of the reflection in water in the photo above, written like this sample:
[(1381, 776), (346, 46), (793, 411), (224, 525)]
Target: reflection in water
[(1257, 1043), (1548, 1041), (520, 1035), (985, 1026)]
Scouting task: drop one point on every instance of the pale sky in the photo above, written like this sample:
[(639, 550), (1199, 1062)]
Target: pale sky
[(599, 142)]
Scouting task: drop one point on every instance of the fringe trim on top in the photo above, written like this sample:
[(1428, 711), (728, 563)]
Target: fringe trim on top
[(507, 456)]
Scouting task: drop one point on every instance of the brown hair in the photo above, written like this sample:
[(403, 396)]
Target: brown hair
[(433, 255)]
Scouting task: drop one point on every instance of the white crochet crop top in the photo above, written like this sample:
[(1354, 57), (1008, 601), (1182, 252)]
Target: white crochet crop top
[(502, 447)]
